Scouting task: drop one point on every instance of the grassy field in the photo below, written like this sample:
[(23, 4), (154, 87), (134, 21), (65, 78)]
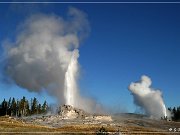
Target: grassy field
[(13, 126)]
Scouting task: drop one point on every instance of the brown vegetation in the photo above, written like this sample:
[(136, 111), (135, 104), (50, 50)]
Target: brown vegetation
[(9, 125)]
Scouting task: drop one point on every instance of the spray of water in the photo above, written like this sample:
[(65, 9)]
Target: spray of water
[(44, 56), (70, 79), (149, 99)]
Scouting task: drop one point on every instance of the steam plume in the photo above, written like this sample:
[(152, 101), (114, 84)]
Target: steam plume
[(149, 99), (70, 80), (45, 55)]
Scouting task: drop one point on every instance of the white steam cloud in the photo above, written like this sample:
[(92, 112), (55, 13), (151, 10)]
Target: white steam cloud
[(149, 99), (45, 55)]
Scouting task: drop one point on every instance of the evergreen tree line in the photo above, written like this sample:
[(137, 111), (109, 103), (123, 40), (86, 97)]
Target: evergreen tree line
[(22, 107), (175, 112)]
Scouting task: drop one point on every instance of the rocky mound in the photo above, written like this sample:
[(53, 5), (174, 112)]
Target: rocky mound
[(70, 112)]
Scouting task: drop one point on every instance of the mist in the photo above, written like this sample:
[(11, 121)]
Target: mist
[(150, 100), (42, 54)]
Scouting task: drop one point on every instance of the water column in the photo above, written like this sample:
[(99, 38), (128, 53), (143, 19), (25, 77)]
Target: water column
[(71, 79)]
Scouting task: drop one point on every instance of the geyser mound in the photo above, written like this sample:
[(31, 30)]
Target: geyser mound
[(149, 99), (70, 112)]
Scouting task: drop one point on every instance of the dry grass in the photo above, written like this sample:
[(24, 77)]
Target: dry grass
[(141, 130), (13, 126), (87, 128)]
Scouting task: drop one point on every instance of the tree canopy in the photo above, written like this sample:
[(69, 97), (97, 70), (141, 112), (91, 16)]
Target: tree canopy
[(22, 107)]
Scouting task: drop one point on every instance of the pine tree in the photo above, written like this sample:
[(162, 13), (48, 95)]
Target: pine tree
[(23, 106), (9, 103), (34, 106), (13, 107), (31, 106), (39, 109), (178, 113), (4, 107), (44, 107), (18, 109), (27, 108), (174, 113)]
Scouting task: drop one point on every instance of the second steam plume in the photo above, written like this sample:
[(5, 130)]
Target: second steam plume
[(149, 99), (44, 55)]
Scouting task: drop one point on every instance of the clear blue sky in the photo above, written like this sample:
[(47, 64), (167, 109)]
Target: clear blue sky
[(126, 41)]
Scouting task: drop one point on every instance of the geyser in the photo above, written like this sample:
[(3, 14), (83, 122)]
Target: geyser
[(70, 79), (149, 99), (44, 56)]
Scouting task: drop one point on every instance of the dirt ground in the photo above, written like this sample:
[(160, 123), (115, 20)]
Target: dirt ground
[(120, 124)]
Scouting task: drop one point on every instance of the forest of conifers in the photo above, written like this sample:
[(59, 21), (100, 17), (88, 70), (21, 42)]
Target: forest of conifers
[(22, 107)]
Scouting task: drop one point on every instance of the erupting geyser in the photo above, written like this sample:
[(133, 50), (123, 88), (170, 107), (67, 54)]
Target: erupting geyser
[(149, 99), (44, 55), (70, 79)]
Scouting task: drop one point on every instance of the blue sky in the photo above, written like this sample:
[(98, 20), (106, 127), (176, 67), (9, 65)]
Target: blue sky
[(125, 42)]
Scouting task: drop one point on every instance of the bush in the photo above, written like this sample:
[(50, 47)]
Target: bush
[(102, 131)]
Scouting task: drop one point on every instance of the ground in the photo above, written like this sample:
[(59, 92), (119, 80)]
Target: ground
[(120, 124)]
